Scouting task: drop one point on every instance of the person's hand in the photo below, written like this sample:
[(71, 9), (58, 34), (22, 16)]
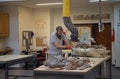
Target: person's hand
[(68, 47)]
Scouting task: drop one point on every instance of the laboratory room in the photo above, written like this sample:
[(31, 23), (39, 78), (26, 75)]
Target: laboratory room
[(59, 39)]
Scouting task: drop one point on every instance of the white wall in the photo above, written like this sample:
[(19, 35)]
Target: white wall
[(13, 39), (116, 43), (42, 24), (26, 19), (36, 20), (25, 23), (51, 20)]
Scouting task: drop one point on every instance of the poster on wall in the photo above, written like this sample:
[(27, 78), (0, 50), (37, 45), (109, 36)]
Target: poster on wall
[(41, 31), (40, 28), (84, 34)]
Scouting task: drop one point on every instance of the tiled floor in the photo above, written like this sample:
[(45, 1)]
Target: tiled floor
[(115, 73)]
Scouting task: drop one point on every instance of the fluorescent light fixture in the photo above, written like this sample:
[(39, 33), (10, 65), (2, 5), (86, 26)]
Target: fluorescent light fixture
[(59, 3), (97, 0)]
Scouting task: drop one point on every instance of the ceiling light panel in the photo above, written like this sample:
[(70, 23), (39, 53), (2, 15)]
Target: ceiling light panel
[(97, 0), (59, 3)]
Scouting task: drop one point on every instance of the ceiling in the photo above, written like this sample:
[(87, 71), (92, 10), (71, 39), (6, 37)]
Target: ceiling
[(31, 3)]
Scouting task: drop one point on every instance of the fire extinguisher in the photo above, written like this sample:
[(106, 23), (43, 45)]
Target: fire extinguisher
[(113, 35)]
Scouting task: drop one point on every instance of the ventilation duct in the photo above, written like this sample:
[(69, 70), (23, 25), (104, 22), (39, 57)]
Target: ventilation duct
[(67, 21)]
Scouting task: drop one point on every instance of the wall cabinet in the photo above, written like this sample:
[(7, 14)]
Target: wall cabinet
[(4, 24)]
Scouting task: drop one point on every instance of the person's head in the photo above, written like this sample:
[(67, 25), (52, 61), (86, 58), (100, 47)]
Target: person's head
[(59, 30)]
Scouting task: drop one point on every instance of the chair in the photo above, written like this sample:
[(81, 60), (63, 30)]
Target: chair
[(41, 57)]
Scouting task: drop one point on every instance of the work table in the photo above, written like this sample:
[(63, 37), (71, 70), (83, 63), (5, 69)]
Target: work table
[(67, 74), (97, 62), (9, 60)]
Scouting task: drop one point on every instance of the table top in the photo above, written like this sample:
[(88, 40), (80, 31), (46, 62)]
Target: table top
[(5, 58), (46, 69)]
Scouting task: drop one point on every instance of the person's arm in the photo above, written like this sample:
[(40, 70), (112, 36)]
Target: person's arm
[(58, 45), (62, 46), (67, 42)]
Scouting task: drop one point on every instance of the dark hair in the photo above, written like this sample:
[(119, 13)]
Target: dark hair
[(59, 28)]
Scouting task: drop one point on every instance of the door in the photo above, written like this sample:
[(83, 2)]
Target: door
[(103, 37)]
